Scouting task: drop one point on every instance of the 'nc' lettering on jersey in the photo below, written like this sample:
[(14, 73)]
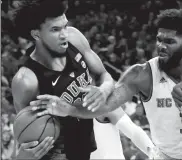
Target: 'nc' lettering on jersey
[(164, 102)]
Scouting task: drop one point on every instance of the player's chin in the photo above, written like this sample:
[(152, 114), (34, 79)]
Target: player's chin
[(62, 50), (164, 58)]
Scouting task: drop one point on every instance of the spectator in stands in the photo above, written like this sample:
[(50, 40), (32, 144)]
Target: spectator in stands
[(7, 143), (139, 115)]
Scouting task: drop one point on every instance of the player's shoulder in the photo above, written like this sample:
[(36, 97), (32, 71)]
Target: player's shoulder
[(78, 39), (74, 35), (73, 30), (25, 78), (138, 72), (140, 76), (24, 88)]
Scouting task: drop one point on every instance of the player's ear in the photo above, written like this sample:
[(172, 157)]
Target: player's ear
[(35, 34)]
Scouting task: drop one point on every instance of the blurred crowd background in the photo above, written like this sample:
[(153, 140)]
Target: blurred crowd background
[(121, 32)]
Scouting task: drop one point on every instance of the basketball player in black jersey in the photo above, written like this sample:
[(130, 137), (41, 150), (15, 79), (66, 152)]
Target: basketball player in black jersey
[(59, 65)]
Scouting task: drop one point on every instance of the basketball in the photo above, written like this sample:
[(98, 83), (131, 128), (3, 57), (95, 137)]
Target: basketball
[(28, 127)]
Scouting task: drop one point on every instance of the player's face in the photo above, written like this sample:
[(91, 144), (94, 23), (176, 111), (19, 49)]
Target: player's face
[(169, 48), (5, 118), (6, 136), (54, 35)]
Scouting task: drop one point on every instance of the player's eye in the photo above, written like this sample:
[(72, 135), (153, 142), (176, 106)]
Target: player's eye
[(55, 29), (158, 39), (170, 41)]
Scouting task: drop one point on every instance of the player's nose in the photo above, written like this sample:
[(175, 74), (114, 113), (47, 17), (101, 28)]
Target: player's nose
[(63, 34), (161, 47)]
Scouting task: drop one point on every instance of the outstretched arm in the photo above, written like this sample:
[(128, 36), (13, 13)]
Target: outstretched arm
[(135, 80), (128, 85), (124, 90)]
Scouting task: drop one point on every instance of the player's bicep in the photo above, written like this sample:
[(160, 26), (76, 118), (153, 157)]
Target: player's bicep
[(92, 59), (127, 86), (94, 62), (121, 94), (24, 88), (134, 79)]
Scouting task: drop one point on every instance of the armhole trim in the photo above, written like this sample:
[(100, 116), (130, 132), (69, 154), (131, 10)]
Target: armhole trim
[(144, 98)]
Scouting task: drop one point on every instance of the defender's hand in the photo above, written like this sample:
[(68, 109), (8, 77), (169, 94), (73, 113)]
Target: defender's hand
[(177, 95), (33, 150), (48, 104), (95, 98)]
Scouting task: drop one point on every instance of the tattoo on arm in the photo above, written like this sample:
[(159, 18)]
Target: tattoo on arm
[(122, 93), (124, 90), (126, 87)]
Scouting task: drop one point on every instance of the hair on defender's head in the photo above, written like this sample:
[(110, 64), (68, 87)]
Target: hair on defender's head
[(170, 19), (33, 13)]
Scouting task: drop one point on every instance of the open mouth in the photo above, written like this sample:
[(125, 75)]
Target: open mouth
[(64, 44)]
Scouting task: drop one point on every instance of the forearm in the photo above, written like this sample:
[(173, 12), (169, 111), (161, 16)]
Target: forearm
[(106, 83), (116, 98), (81, 112), (135, 133), (120, 95), (141, 140)]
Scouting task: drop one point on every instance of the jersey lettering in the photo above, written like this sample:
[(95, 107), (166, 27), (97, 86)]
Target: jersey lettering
[(67, 97), (81, 79), (73, 88), (164, 102), (89, 77)]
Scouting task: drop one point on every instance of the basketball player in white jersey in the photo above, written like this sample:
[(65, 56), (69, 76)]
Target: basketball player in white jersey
[(154, 81)]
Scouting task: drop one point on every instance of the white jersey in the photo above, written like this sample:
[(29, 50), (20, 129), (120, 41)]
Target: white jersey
[(163, 115), (108, 142)]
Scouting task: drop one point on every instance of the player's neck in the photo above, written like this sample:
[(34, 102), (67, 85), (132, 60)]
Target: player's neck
[(41, 56), (44, 57)]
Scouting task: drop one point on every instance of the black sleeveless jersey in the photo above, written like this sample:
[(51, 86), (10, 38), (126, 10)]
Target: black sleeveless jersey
[(76, 135)]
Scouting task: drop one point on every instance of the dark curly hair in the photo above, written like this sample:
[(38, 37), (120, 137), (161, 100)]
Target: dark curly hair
[(32, 13), (170, 19)]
